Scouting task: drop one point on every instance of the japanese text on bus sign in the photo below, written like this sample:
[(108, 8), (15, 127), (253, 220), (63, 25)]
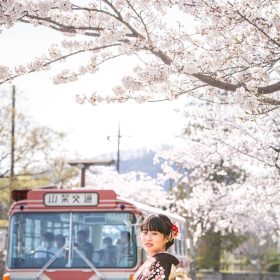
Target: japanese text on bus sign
[(71, 199)]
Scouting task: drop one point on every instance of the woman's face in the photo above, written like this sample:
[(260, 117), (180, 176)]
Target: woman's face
[(153, 242)]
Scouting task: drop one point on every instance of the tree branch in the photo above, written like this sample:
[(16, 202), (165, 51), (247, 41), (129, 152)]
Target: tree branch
[(58, 59)]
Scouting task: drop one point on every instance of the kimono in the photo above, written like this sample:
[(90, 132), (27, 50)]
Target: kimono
[(158, 267)]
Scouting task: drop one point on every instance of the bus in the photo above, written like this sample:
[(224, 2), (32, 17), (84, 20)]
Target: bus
[(89, 234)]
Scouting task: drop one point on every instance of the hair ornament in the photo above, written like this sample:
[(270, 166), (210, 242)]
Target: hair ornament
[(175, 230)]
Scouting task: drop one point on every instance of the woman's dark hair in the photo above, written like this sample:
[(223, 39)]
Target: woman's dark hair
[(160, 223)]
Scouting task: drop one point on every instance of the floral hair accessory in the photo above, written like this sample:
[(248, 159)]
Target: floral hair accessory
[(175, 230)]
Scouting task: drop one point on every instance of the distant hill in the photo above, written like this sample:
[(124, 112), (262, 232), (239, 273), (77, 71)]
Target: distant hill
[(138, 160), (143, 163)]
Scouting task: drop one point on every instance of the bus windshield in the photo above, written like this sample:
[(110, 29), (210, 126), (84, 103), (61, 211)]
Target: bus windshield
[(72, 240)]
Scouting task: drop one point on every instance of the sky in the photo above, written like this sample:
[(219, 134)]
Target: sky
[(87, 126)]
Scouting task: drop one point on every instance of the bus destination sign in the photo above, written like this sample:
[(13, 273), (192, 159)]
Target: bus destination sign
[(71, 199)]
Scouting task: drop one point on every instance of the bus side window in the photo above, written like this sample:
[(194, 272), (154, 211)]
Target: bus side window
[(177, 247)]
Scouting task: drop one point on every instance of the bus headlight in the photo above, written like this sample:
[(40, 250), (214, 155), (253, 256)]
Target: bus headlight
[(6, 276)]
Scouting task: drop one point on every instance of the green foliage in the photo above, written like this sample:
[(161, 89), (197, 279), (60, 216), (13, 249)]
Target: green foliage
[(209, 251), (4, 223), (20, 182), (212, 246), (231, 241), (272, 262)]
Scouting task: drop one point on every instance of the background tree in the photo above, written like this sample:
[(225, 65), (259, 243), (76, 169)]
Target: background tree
[(212, 247), (36, 150), (229, 169), (209, 247), (136, 186)]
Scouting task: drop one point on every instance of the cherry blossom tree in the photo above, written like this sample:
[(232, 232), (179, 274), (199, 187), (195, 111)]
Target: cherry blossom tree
[(137, 186), (224, 51), (230, 171)]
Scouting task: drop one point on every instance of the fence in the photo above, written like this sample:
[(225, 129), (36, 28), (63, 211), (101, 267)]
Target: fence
[(237, 276)]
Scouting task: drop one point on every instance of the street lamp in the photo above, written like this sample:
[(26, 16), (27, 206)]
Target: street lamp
[(83, 165)]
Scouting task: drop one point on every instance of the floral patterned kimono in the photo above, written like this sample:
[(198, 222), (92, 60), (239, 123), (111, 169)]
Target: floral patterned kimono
[(157, 267)]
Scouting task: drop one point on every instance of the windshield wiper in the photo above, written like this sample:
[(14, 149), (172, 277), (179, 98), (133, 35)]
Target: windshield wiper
[(50, 261), (88, 262)]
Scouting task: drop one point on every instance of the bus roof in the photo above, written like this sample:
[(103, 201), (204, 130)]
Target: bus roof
[(153, 210), (51, 197)]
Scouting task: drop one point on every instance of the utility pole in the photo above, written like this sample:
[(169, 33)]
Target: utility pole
[(118, 159), (118, 150), (13, 117)]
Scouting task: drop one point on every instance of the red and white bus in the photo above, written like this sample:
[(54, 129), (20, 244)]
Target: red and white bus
[(100, 215)]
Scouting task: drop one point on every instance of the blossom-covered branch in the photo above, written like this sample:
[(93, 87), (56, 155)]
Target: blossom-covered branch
[(231, 46)]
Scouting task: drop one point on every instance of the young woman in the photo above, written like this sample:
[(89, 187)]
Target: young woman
[(157, 235)]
